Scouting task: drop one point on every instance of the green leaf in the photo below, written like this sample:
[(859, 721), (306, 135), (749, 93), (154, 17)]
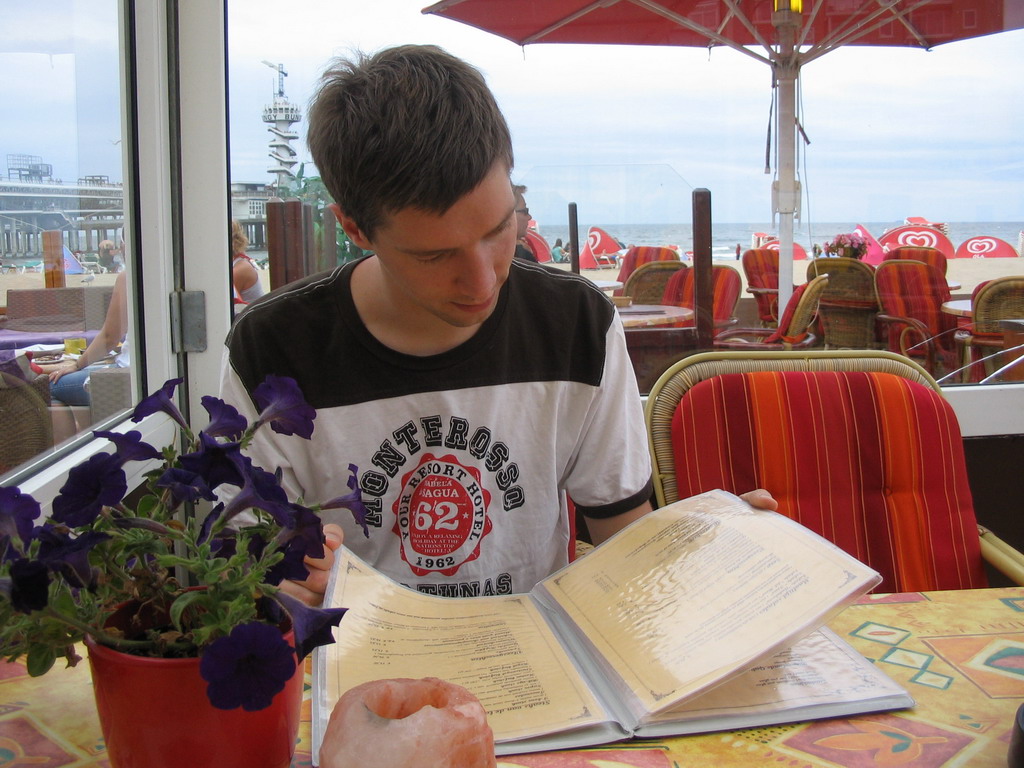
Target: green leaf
[(179, 606), (39, 660)]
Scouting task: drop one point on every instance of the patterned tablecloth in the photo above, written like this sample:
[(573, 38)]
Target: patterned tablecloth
[(959, 654)]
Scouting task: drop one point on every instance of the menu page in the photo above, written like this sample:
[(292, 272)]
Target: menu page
[(500, 648), (699, 589)]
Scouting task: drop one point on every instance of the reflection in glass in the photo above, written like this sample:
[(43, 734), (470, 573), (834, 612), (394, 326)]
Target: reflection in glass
[(62, 279)]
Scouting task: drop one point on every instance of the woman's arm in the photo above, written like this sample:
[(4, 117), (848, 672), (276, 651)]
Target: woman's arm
[(115, 325)]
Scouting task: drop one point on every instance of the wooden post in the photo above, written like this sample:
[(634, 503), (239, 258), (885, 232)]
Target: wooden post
[(574, 239), (703, 298), (294, 251), (53, 260), (276, 242), (329, 234)]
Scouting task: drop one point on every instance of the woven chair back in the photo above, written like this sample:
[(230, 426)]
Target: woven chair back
[(932, 256), (24, 419), (638, 255), (848, 306), (646, 285), (999, 299), (726, 285), (802, 309), (860, 447), (761, 267)]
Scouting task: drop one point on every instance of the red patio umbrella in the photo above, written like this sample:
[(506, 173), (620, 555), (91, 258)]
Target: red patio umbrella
[(784, 34)]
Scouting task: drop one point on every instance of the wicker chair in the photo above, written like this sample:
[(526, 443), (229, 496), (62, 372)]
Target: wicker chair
[(25, 423), (931, 256), (726, 285), (646, 284), (795, 327), (637, 256), (910, 297), (761, 266), (982, 338), (860, 447), (110, 392), (58, 309), (848, 307)]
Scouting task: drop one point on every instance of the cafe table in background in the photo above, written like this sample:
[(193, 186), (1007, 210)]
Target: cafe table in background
[(960, 655), (649, 315)]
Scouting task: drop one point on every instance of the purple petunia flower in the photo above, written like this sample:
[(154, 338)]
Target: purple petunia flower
[(353, 502), (312, 625), (128, 446), (161, 400), (282, 406), (305, 526), (69, 556), (292, 567), (248, 667), (17, 512), (261, 490), (217, 463), (28, 587), (225, 420), (184, 486), (92, 485)]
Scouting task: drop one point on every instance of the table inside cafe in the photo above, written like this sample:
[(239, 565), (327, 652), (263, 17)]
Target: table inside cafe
[(960, 655), (649, 315)]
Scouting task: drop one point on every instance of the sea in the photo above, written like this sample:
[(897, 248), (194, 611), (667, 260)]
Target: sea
[(725, 237)]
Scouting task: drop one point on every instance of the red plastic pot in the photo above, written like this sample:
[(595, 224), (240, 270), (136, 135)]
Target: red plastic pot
[(155, 714)]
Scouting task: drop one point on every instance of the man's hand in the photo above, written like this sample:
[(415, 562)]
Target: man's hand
[(760, 499), (311, 591)]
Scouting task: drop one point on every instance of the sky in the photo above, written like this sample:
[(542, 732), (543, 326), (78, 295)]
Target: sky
[(625, 132)]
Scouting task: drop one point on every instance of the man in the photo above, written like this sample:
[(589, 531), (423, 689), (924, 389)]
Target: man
[(523, 250), (430, 362)]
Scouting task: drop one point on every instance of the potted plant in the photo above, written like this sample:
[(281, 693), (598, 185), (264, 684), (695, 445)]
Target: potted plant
[(146, 586), (851, 246)]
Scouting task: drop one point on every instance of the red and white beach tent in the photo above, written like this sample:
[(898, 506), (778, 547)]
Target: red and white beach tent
[(600, 250)]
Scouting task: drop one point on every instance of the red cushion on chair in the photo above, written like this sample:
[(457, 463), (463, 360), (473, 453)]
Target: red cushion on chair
[(870, 461)]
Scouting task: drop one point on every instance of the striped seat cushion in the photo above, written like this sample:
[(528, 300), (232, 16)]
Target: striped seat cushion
[(870, 461)]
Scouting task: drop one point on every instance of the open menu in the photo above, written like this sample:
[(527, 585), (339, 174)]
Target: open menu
[(703, 615)]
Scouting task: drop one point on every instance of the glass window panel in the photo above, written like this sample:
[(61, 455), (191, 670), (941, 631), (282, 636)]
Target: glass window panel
[(63, 285), (628, 132)]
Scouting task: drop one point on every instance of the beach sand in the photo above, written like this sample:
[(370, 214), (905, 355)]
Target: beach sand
[(967, 272)]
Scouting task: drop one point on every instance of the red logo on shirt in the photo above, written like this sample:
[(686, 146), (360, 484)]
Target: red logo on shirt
[(441, 515)]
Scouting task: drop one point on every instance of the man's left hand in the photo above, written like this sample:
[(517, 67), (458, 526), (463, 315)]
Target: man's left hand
[(311, 591)]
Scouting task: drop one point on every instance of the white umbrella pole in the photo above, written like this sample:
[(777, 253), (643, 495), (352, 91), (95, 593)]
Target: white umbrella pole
[(787, 196)]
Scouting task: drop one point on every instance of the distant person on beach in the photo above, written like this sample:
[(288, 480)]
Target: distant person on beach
[(440, 390), (108, 253), (245, 278), (738, 251), (558, 252), (523, 250)]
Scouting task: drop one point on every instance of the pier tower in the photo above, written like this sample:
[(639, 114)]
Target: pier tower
[(279, 117)]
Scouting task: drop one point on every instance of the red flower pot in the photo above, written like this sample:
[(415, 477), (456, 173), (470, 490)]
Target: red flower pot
[(155, 714)]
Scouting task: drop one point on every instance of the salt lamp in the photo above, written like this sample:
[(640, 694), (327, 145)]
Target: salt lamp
[(407, 723)]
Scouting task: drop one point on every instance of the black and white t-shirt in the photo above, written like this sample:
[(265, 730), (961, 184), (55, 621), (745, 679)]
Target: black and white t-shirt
[(464, 458)]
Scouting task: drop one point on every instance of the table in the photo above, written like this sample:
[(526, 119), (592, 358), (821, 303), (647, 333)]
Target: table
[(958, 307), (959, 655), (607, 285), (646, 315)]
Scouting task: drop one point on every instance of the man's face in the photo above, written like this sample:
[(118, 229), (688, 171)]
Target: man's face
[(522, 217), (453, 265)]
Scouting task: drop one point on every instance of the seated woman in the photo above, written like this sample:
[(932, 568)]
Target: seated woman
[(244, 277), (68, 379)]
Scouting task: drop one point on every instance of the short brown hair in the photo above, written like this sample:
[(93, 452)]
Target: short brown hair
[(410, 126)]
